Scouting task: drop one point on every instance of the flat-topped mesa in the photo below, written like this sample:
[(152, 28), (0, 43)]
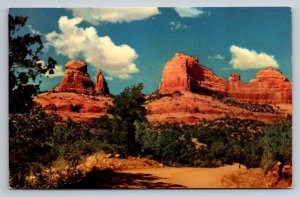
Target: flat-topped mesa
[(184, 73), (76, 79), (269, 87)]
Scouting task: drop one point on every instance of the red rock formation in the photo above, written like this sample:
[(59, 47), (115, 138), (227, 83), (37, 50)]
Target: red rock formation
[(78, 107), (100, 84), (270, 86), (184, 73), (65, 101), (191, 108), (76, 79)]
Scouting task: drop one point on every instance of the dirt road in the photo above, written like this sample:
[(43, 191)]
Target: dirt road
[(171, 177), (231, 176)]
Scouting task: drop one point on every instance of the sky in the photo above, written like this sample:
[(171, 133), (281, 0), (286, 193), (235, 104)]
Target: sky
[(132, 45)]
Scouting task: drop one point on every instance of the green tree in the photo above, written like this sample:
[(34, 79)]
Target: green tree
[(24, 54), (277, 145), (29, 144), (127, 110)]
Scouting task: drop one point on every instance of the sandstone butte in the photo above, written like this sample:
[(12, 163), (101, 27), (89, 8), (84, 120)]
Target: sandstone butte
[(76, 79), (184, 73), (77, 97), (190, 92)]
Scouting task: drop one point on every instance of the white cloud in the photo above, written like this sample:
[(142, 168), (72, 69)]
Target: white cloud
[(58, 72), (190, 12), (174, 25), (216, 57), (100, 52), (114, 15), (243, 59)]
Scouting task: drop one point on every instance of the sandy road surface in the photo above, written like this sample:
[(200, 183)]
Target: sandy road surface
[(171, 177)]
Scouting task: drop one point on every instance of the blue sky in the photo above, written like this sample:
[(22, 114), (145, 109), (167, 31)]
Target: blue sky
[(133, 45)]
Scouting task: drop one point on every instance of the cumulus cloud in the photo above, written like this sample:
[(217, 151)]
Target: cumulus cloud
[(189, 12), (243, 59), (174, 25), (114, 15), (100, 52), (216, 57), (58, 72)]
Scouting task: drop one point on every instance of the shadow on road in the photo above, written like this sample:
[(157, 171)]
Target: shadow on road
[(108, 179)]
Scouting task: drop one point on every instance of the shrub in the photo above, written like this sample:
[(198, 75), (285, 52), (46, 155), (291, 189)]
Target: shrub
[(223, 143), (277, 145), (75, 108), (261, 108), (29, 144), (72, 140), (127, 109)]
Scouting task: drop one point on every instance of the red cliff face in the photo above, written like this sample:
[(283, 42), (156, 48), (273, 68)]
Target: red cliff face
[(184, 73), (77, 80), (270, 86)]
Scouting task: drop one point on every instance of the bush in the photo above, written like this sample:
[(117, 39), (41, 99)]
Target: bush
[(72, 140), (75, 108), (261, 108), (29, 144), (220, 141), (127, 109), (277, 145), (168, 144)]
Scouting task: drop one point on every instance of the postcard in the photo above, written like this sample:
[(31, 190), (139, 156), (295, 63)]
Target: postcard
[(149, 97)]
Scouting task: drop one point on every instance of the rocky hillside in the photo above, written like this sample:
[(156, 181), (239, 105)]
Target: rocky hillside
[(190, 93), (77, 97), (186, 107)]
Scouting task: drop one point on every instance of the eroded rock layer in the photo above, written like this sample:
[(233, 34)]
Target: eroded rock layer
[(270, 86), (78, 107), (76, 79), (184, 73)]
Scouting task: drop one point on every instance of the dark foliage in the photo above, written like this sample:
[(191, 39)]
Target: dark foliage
[(72, 140), (127, 109), (24, 53), (219, 142), (29, 144), (75, 108), (261, 108), (277, 145), (156, 95)]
